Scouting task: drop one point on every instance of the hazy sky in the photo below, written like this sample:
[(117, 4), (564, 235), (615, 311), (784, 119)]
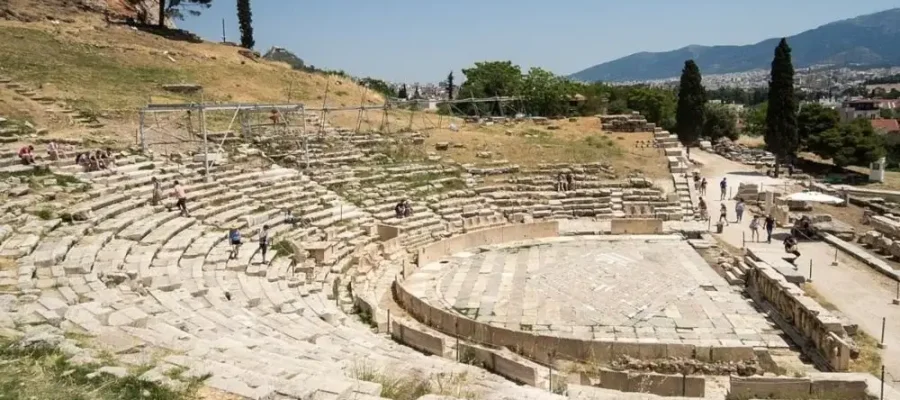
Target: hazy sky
[(403, 40)]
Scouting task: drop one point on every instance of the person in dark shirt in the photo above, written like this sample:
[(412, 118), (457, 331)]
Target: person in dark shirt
[(770, 226), (790, 246)]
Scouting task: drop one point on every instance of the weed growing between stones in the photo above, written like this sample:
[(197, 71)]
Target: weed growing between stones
[(412, 385), (44, 373)]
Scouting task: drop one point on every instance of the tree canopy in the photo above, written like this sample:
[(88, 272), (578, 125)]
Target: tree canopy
[(781, 116), (814, 119), (755, 119), (851, 143), (720, 121), (691, 105), (545, 93), (177, 8), (245, 19)]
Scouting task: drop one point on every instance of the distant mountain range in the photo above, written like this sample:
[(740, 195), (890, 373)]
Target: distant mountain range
[(872, 39)]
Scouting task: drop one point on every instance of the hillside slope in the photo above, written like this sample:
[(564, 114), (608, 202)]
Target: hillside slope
[(111, 71), (869, 39)]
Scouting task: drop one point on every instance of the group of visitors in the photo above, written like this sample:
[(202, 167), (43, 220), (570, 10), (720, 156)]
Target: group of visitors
[(403, 209), (758, 221), (96, 161), (565, 182), (234, 236)]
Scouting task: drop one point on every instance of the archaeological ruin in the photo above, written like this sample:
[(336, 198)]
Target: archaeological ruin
[(491, 280)]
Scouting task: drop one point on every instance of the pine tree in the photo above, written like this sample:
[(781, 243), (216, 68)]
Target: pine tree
[(690, 113), (402, 94), (450, 87), (781, 117), (245, 18)]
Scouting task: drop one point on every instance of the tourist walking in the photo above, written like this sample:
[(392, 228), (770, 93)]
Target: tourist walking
[(754, 229), (790, 246), (264, 242), (723, 185), (704, 215), (723, 214), (234, 235), (739, 210), (770, 226), (181, 199), (703, 187)]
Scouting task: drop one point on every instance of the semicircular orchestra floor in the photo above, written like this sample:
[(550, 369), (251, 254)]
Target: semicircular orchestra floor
[(605, 288)]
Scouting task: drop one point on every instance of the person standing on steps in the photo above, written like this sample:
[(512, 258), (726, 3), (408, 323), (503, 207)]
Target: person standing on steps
[(739, 209), (264, 242), (754, 229), (234, 235), (181, 199), (723, 185), (770, 226)]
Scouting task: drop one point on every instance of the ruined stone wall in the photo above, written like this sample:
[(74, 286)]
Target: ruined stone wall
[(822, 330)]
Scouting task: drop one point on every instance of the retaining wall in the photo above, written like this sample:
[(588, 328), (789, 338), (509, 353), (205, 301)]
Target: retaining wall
[(819, 327), (636, 226), (815, 386), (499, 364), (537, 347), (658, 384), (417, 339)]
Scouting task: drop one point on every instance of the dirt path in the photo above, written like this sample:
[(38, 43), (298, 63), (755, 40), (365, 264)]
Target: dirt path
[(859, 292)]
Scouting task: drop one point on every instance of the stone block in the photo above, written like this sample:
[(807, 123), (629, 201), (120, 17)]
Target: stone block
[(769, 387), (731, 354)]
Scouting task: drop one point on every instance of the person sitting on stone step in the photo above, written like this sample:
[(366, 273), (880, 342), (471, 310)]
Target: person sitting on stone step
[(26, 155), (400, 209), (289, 218), (407, 209), (53, 151), (570, 181)]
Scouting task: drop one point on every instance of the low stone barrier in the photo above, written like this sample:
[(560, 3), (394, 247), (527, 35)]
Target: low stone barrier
[(636, 226), (658, 384), (498, 364), (417, 339), (502, 234), (816, 386), (814, 323)]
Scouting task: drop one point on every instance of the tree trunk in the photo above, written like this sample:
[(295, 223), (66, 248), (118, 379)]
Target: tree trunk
[(162, 14), (777, 162)]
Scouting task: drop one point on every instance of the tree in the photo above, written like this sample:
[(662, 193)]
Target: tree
[(492, 78), (814, 119), (781, 117), (545, 93), (719, 121), (449, 85), (402, 93), (416, 95), (245, 19), (176, 9), (755, 120), (691, 108), (852, 143), (886, 113), (657, 105)]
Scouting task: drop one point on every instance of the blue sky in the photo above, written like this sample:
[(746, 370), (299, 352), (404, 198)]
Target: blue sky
[(421, 41)]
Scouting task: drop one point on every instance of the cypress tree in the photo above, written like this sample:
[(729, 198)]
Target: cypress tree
[(450, 86), (402, 93), (245, 18), (781, 117), (689, 116)]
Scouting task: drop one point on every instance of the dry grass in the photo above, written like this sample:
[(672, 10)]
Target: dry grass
[(818, 297), (44, 373), (111, 71), (413, 386)]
